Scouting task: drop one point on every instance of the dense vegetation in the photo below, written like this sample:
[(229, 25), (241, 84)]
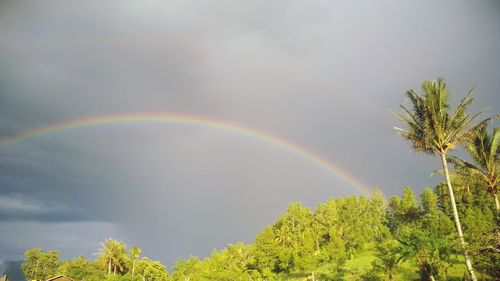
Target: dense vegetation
[(349, 238), (450, 233)]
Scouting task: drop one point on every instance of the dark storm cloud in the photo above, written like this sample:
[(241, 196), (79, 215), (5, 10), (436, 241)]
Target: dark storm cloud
[(53, 178), (320, 73), (76, 238)]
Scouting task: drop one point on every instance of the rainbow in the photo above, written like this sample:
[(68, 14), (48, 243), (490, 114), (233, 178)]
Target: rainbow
[(193, 120)]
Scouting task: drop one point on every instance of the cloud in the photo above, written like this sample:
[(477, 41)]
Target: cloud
[(18, 207), (19, 204), (51, 181)]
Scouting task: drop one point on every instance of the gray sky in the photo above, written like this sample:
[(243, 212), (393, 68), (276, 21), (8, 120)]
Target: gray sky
[(322, 74)]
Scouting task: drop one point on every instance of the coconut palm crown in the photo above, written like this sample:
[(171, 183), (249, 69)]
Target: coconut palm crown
[(113, 253), (484, 150), (429, 125)]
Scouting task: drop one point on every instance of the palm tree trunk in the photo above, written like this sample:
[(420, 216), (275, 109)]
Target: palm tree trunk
[(455, 215), (109, 267), (496, 201), (317, 247), (133, 267)]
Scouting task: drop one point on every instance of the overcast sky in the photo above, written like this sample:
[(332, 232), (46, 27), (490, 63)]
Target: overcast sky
[(321, 74)]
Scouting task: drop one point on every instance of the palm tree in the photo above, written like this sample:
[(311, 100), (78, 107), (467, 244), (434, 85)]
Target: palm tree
[(485, 153), (433, 129), (112, 251), (135, 253)]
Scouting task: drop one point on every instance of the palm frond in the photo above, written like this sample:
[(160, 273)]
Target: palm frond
[(470, 133), (461, 112), (495, 145), (464, 166)]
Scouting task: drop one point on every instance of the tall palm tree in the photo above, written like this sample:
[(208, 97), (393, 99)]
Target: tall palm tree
[(433, 128), (484, 150)]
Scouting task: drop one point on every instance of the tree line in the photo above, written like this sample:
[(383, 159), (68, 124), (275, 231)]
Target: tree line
[(303, 242), (354, 238)]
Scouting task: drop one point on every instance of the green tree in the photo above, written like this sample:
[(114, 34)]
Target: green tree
[(424, 234), (429, 250), (267, 248), (484, 150), (389, 255), (40, 265), (232, 263), (295, 236), (434, 129), (378, 210), (483, 232), (325, 225), (80, 269), (113, 254), (187, 269), (429, 201), (354, 216), (408, 206), (393, 213), (327, 228), (135, 253), (152, 270), (432, 219)]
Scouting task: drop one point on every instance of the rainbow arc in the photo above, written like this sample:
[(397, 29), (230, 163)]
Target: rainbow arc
[(199, 121)]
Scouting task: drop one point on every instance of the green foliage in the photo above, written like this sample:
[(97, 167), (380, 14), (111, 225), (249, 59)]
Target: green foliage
[(484, 171), (267, 250), (295, 234), (230, 264), (80, 269), (483, 235), (389, 254), (343, 239), (432, 242), (134, 254), (40, 265), (151, 270), (113, 256), (429, 251), (393, 213), (429, 201), (187, 269), (408, 208), (126, 277)]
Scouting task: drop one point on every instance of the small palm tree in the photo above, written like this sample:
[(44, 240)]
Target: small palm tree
[(434, 129), (484, 150), (113, 252), (135, 253)]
